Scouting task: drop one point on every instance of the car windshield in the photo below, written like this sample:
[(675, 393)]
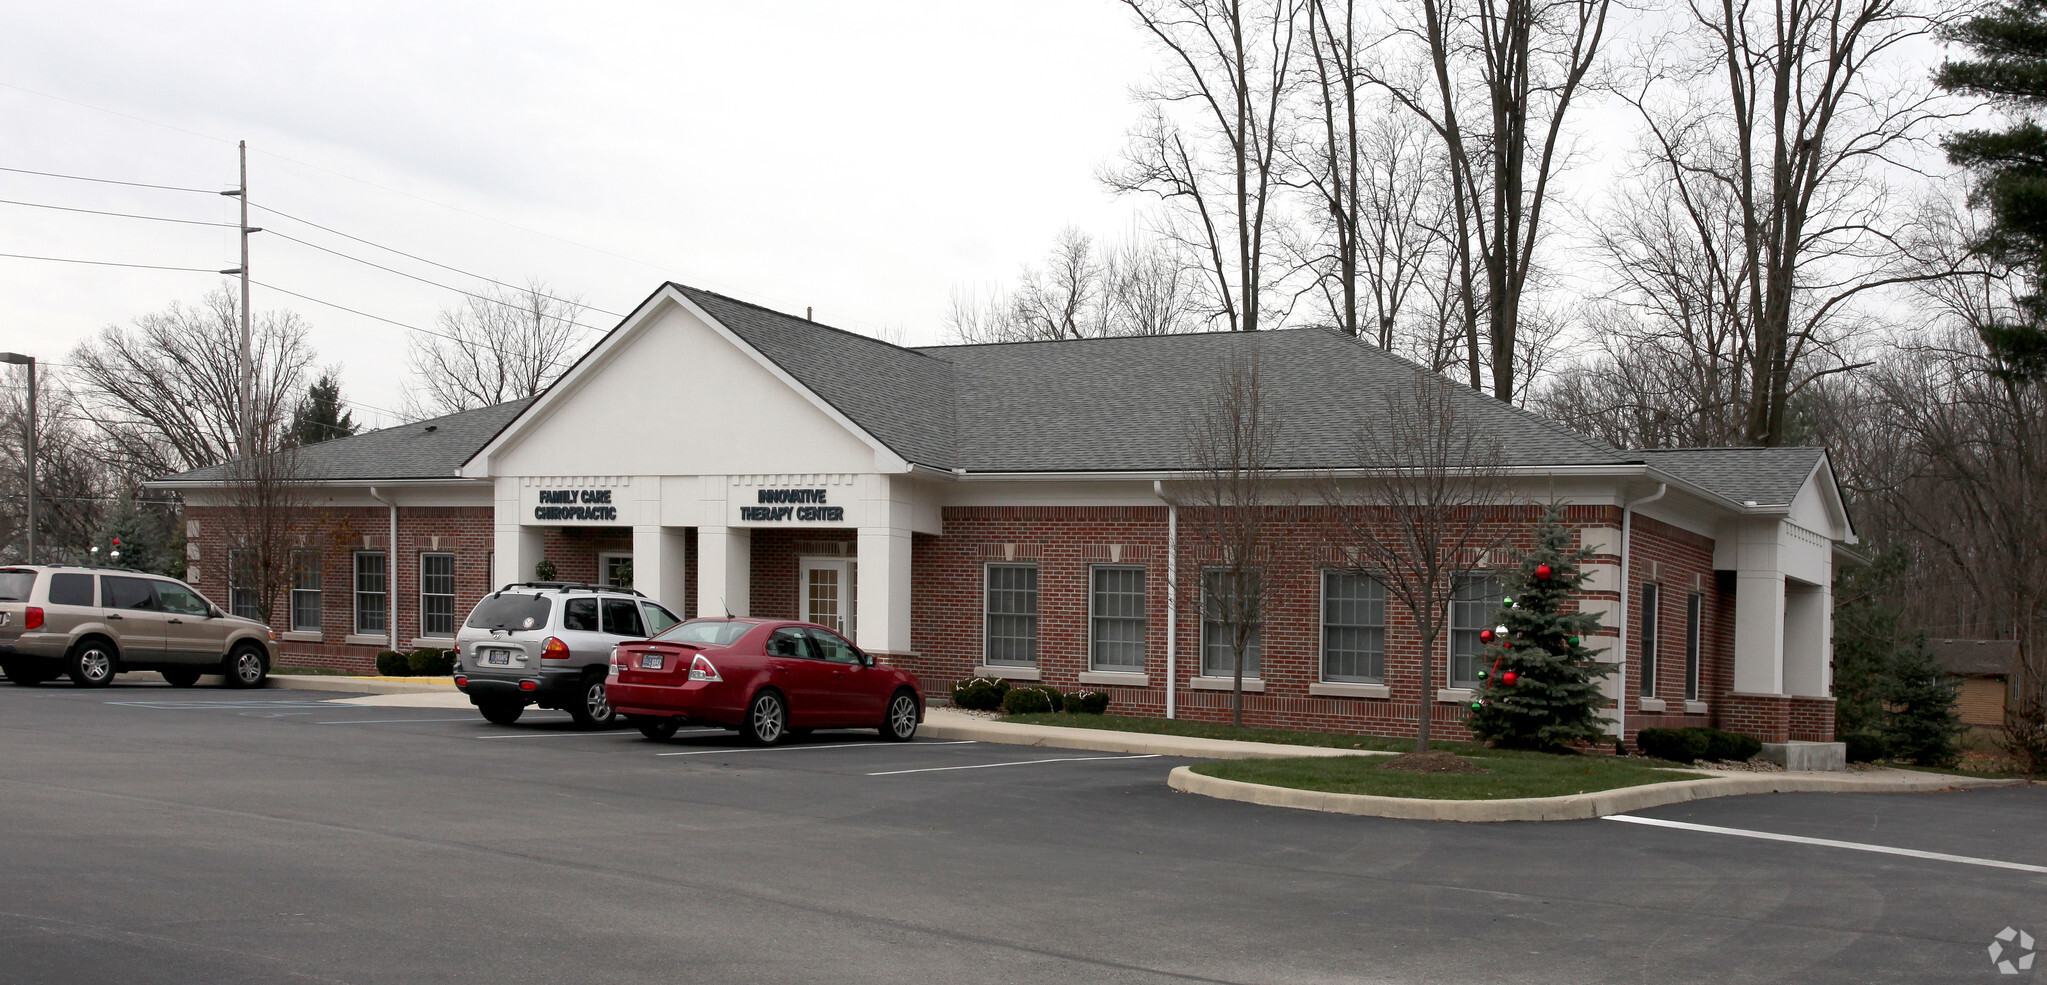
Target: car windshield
[(513, 612), (14, 585), (716, 632)]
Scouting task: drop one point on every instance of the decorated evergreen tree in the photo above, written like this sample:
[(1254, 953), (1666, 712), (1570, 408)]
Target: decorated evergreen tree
[(1540, 684)]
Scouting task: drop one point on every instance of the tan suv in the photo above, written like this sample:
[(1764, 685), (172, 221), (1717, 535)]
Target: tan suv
[(92, 623)]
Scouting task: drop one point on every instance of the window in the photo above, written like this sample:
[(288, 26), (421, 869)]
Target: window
[(622, 618), (513, 612), (1694, 613), (437, 595), (305, 591), (1474, 607), (127, 593), (788, 642), (241, 583), (70, 589), (371, 612), (1118, 627), (179, 600), (1353, 628), (617, 570), (1010, 625), (1221, 614), (1648, 635), (580, 615), (833, 647), (658, 619)]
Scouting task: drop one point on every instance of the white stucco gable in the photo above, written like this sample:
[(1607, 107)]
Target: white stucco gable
[(670, 391), (1818, 506)]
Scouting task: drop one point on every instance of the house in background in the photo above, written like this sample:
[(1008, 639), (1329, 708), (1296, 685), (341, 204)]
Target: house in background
[(1988, 669)]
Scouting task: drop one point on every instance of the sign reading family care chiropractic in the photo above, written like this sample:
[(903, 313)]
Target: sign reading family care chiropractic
[(576, 501)]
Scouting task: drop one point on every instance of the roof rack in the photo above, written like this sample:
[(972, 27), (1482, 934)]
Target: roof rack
[(572, 586), (82, 567)]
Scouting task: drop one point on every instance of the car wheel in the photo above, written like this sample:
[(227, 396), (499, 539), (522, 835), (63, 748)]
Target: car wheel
[(181, 678), (246, 667), (501, 712), (660, 730), (91, 664), (901, 725), (591, 708), (767, 719)]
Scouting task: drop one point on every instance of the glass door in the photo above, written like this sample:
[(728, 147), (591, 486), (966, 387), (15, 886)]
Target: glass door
[(826, 595)]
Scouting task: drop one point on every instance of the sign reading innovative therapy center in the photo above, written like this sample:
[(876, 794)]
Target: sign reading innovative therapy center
[(575, 506), (805, 506)]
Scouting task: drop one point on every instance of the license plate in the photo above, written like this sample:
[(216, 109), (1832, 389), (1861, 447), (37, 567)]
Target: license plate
[(498, 658), (650, 661)]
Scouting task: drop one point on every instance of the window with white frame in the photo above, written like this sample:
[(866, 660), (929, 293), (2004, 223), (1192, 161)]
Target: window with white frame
[(1230, 600), (305, 591), (241, 583), (615, 570), (1118, 624), (1353, 628), (1694, 617), (437, 595), (372, 612), (1009, 631), (1474, 608), (1650, 595)]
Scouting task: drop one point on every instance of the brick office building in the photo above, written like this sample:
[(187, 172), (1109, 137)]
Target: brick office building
[(1014, 510)]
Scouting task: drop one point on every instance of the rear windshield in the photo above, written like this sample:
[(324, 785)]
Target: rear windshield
[(512, 612), (14, 585), (715, 632)]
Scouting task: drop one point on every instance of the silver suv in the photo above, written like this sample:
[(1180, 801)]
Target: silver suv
[(93, 623), (548, 643)]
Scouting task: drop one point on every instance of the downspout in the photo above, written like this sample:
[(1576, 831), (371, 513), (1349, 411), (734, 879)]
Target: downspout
[(1621, 666), (1172, 594), (390, 571)]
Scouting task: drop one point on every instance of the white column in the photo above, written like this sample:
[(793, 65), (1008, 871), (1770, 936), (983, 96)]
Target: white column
[(883, 583), (724, 570), (659, 564), (516, 548), (1759, 632), (1805, 639)]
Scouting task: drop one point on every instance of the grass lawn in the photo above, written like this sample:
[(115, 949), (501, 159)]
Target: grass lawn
[(1514, 774), (1212, 730)]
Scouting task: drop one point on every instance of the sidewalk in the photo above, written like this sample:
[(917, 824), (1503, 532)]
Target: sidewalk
[(945, 723), (366, 685)]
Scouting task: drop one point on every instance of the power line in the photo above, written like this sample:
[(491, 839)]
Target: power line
[(109, 263), (552, 363), (435, 283), (111, 181), (123, 215)]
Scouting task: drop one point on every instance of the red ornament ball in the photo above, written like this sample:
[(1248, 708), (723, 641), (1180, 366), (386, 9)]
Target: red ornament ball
[(1543, 571), (1509, 677), (1485, 636)]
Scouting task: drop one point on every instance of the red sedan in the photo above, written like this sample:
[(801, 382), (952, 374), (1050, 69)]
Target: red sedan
[(765, 677)]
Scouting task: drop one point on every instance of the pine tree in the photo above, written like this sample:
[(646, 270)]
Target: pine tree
[(1540, 684), (1920, 724), (148, 535), (2010, 42), (319, 416)]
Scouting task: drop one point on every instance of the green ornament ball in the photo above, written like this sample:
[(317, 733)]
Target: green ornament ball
[(1508, 601)]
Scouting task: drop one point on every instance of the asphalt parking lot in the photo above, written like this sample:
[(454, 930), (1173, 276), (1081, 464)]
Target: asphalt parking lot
[(158, 835)]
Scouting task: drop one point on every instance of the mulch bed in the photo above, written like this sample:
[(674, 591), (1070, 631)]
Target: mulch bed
[(1433, 761)]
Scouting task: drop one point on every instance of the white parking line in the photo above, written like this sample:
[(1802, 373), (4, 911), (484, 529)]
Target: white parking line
[(1658, 822), (1020, 762), (397, 721), (839, 745), (551, 735)]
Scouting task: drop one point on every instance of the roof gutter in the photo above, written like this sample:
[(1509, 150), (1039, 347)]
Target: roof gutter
[(1620, 702), (390, 570), (1158, 489)]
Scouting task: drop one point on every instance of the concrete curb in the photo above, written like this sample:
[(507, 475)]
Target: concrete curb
[(941, 723), (1575, 806), (363, 685)]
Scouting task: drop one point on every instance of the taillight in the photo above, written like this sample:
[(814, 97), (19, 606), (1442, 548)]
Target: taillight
[(461, 681), (529, 685), (554, 650), (33, 618), (617, 662), (701, 669)]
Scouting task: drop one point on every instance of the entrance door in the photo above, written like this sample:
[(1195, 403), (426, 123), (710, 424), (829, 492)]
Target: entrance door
[(825, 593)]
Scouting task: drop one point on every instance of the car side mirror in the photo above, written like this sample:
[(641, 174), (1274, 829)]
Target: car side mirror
[(213, 612), (866, 659)]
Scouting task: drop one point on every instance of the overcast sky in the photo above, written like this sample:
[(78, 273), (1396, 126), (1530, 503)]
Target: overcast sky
[(862, 159)]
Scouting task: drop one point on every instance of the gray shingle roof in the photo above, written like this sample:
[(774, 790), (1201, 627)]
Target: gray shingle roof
[(1766, 476), (408, 451), (1972, 658)]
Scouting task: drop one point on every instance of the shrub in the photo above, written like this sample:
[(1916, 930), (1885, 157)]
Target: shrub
[(1679, 745), (1087, 703), (2025, 735), (429, 662), (391, 663), (1866, 746), (1026, 701), (979, 693), (1730, 746)]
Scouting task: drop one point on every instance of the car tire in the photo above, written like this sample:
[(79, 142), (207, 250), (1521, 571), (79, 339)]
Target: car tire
[(26, 674), (660, 730), (590, 708), (91, 663), (181, 678), (247, 666), (501, 712), (767, 719), (900, 725)]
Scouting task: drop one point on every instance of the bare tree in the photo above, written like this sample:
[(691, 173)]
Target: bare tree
[(166, 390), (265, 501), (74, 486), (1429, 508), (1211, 144), (1229, 505), (1083, 290), (496, 346)]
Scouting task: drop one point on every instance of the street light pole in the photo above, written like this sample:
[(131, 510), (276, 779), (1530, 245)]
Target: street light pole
[(17, 359)]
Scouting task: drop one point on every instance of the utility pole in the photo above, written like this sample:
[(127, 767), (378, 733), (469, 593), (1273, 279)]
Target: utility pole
[(247, 396), (17, 359)]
